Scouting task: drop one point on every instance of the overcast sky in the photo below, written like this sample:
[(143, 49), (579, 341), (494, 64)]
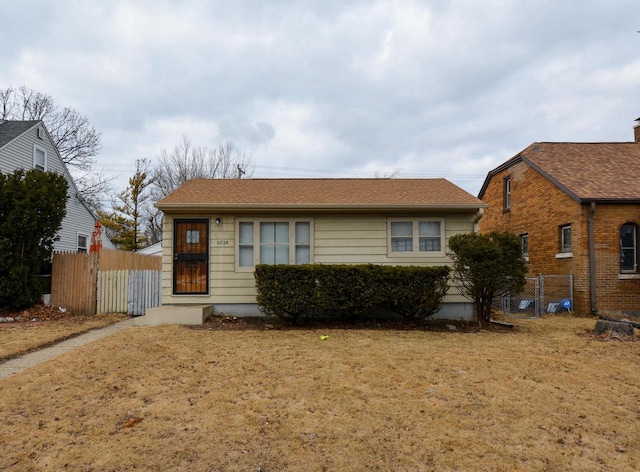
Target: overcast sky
[(442, 88)]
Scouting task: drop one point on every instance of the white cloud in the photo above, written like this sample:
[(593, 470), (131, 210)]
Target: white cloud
[(431, 87)]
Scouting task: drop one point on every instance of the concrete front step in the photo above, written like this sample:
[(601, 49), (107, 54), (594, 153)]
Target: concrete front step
[(175, 314)]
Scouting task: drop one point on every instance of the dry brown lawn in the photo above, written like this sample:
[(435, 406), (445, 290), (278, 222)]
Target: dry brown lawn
[(45, 325), (545, 397)]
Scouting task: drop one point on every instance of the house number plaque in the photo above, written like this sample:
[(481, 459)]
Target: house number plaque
[(222, 242)]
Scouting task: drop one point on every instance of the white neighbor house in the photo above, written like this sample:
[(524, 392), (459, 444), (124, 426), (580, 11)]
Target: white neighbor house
[(27, 145), (216, 231)]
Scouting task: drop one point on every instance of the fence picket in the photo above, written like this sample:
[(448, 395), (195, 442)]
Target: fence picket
[(109, 281)]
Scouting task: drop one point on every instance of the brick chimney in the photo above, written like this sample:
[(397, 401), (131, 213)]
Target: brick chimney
[(636, 131)]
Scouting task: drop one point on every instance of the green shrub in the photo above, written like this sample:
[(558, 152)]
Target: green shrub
[(350, 291), (32, 206), (347, 291), (415, 292), (285, 291)]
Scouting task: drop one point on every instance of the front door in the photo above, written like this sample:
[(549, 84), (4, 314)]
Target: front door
[(191, 257)]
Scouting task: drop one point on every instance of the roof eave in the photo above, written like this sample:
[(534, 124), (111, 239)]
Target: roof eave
[(605, 200), (505, 165), (240, 207)]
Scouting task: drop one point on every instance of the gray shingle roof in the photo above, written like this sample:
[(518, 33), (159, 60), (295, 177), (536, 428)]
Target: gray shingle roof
[(9, 130)]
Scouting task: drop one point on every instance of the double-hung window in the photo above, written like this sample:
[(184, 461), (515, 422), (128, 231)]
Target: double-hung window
[(415, 237), (565, 239), (273, 242), (524, 239), (629, 247), (39, 158), (506, 201), (83, 242)]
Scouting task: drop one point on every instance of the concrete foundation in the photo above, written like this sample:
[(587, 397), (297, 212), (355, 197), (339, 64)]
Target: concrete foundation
[(175, 314), (449, 311)]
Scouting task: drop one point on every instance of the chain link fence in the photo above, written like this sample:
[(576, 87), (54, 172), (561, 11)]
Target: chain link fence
[(542, 294)]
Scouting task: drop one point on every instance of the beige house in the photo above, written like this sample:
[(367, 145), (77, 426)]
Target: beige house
[(216, 231)]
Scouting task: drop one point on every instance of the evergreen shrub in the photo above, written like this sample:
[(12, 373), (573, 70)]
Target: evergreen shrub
[(343, 292)]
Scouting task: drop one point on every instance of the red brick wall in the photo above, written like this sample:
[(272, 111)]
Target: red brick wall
[(539, 208), (615, 292)]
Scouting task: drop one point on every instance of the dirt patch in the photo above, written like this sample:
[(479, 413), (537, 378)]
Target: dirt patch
[(243, 323), (37, 313)]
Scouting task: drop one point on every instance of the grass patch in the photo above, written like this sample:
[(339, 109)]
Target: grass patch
[(545, 396), (18, 338)]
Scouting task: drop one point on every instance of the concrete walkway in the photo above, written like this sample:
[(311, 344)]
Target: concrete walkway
[(25, 361)]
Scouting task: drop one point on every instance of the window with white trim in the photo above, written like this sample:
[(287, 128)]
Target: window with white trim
[(273, 242), (39, 158), (83, 242), (415, 237)]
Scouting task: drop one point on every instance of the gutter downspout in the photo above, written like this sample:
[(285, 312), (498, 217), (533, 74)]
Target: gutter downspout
[(592, 262)]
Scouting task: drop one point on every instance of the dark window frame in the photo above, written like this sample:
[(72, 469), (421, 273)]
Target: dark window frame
[(624, 250)]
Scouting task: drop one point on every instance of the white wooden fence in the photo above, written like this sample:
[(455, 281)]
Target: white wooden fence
[(128, 291)]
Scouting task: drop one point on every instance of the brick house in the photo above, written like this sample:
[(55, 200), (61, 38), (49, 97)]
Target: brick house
[(576, 207)]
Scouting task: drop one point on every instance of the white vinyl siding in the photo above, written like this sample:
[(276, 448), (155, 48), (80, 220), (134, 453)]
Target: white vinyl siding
[(19, 154)]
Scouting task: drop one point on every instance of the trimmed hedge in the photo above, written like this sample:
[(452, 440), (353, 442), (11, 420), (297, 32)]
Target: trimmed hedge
[(350, 291)]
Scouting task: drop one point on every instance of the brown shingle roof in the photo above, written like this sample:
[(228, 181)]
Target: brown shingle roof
[(586, 171), (318, 193)]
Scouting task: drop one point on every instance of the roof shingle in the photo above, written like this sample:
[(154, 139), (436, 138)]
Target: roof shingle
[(585, 171), (313, 193), (591, 171), (12, 129)]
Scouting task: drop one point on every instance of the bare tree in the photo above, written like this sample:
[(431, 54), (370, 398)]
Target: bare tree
[(378, 174), (186, 161), (76, 140)]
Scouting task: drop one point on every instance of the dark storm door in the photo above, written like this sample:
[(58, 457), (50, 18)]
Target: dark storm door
[(191, 257)]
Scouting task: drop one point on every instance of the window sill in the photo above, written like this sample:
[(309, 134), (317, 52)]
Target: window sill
[(427, 254), (629, 276), (564, 255)]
